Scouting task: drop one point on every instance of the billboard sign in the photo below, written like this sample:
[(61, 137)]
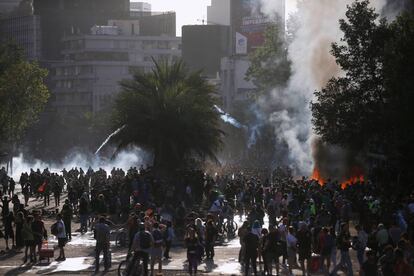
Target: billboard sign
[(249, 22)]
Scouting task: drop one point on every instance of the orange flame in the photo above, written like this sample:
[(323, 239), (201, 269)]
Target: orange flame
[(357, 176), (316, 175), (352, 180)]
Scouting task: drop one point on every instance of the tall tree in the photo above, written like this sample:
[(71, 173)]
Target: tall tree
[(23, 94), (369, 108), (348, 110), (169, 111)]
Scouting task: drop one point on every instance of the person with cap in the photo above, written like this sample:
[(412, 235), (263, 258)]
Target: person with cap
[(102, 237), (142, 244)]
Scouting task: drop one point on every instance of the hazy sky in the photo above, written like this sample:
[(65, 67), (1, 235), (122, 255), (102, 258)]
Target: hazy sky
[(192, 11)]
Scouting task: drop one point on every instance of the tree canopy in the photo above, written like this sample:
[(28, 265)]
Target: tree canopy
[(270, 66), (23, 93), (169, 111), (369, 108)]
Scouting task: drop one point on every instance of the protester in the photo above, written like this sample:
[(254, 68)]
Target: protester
[(210, 238), (156, 253), (193, 252), (142, 244), (39, 231), (8, 230), (344, 243), (102, 237), (60, 233), (28, 237), (251, 241), (67, 213)]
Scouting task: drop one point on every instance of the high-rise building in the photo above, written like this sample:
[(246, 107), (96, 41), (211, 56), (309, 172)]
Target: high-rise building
[(219, 12), (204, 46), (7, 6), (158, 23), (88, 78), (140, 6), (25, 32), (67, 17)]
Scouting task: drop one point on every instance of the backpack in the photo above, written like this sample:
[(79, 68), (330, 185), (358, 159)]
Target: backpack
[(158, 237), (144, 240), (54, 229)]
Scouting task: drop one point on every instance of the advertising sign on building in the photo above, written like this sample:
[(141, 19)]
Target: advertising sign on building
[(249, 22), (241, 44)]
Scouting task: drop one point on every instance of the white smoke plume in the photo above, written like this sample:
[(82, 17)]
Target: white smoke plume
[(133, 156), (312, 67)]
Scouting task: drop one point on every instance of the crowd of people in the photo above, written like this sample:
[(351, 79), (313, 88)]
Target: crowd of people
[(286, 224)]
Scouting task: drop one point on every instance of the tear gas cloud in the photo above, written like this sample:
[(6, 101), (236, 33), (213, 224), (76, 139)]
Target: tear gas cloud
[(132, 156), (312, 67)]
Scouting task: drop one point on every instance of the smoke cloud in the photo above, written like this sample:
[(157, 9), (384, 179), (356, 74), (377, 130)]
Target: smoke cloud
[(133, 156), (312, 67)]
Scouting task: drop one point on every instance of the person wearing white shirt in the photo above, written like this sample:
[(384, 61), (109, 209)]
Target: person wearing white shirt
[(61, 236)]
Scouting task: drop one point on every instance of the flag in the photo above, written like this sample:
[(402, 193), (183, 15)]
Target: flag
[(42, 187)]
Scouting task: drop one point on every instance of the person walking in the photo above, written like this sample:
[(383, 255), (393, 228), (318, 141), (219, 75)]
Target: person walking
[(83, 214), (8, 230), (142, 244), (39, 231), (251, 241), (156, 253), (28, 237), (361, 244), (169, 236), (192, 243), (58, 229), (102, 237), (344, 243), (67, 213), (304, 237), (210, 238)]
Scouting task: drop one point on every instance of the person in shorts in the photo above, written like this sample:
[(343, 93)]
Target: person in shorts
[(61, 236)]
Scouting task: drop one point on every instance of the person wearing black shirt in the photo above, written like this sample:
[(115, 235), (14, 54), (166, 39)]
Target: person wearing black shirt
[(192, 243), (211, 236), (272, 250), (344, 243), (252, 244), (304, 237), (369, 267)]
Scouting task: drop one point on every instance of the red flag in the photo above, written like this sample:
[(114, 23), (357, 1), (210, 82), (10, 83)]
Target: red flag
[(42, 187)]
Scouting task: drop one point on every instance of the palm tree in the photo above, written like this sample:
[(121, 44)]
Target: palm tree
[(169, 111)]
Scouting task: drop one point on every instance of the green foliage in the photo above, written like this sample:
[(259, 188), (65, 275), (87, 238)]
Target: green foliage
[(369, 108), (270, 66), (23, 94), (169, 111)]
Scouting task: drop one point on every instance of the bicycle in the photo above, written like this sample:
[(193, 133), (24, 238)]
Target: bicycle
[(132, 266)]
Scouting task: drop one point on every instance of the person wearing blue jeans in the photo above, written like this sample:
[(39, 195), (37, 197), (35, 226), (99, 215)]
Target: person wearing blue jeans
[(343, 244), (345, 261), (361, 244)]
